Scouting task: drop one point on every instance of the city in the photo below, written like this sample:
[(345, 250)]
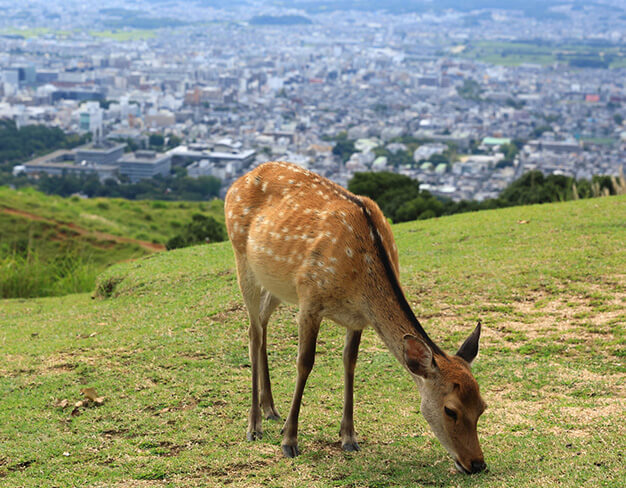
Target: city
[(463, 101)]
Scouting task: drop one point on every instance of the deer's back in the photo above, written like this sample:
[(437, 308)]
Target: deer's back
[(304, 236)]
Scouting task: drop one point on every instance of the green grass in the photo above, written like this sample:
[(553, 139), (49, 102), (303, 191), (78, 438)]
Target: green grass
[(168, 351)]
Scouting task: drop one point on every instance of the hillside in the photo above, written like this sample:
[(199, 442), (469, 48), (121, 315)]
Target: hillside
[(165, 344), (151, 221), (53, 246)]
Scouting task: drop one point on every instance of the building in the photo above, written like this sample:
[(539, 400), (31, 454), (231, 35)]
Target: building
[(238, 159), (63, 162), (145, 164), (106, 152)]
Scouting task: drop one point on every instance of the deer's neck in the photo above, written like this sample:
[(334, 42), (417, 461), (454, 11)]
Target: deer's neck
[(393, 319)]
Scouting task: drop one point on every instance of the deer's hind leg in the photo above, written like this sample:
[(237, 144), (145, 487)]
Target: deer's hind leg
[(251, 291), (268, 304)]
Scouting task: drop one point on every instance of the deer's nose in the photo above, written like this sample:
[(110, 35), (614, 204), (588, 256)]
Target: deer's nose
[(478, 466)]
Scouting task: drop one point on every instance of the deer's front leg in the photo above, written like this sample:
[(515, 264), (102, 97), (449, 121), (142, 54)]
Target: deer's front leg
[(350, 353), (308, 327)]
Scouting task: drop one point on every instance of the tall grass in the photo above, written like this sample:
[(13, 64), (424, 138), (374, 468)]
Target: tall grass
[(29, 275)]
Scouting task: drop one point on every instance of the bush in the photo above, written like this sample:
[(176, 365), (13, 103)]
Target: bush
[(201, 229)]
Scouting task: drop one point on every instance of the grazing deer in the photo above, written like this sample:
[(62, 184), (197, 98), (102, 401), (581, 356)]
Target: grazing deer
[(300, 238)]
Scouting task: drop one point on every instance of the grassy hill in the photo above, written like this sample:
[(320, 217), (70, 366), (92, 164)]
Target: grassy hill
[(84, 234), (165, 344), (148, 220)]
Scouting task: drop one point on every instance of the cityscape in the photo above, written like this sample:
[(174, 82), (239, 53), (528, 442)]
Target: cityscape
[(463, 100)]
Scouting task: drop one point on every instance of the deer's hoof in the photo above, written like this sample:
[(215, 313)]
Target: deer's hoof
[(254, 435), (350, 446), (272, 414), (290, 451)]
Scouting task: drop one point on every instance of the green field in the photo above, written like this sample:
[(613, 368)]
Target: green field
[(514, 53), (115, 34), (125, 34), (165, 344)]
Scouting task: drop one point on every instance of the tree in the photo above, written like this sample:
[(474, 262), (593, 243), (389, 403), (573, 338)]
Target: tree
[(201, 229), (538, 131), (344, 148), (173, 141), (156, 140)]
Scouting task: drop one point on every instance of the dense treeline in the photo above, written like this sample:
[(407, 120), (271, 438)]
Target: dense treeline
[(19, 145), (401, 200), (157, 188)]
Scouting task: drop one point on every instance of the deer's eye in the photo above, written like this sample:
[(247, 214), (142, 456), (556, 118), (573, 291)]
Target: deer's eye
[(450, 413)]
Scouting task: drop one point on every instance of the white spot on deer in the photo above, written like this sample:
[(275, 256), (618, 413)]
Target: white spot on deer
[(333, 259), (334, 240), (290, 182), (264, 187), (230, 214), (238, 198), (246, 210), (269, 252), (280, 177), (349, 252), (307, 211), (330, 270), (372, 234)]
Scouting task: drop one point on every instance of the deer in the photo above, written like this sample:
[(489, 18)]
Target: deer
[(299, 238)]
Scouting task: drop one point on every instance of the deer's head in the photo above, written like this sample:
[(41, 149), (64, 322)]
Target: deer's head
[(451, 401)]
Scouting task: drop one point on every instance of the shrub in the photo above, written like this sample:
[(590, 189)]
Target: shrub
[(201, 229)]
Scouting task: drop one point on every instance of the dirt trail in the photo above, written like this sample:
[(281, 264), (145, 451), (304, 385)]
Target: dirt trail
[(150, 246)]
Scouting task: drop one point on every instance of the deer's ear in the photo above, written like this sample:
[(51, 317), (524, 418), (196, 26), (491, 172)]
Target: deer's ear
[(418, 357), (469, 349)]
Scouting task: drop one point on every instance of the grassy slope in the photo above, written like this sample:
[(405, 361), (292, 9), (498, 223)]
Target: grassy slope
[(169, 352), (153, 221)]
